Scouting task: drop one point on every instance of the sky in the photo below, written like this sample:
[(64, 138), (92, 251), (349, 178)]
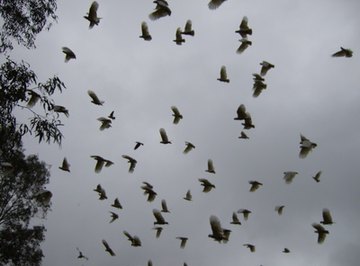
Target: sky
[(308, 92)]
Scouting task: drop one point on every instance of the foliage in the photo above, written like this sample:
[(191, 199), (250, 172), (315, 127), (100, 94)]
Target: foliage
[(23, 20)]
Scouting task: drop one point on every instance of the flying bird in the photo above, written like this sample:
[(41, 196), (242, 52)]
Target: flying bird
[(245, 213), (149, 263), (60, 109), (101, 192), (91, 16), (176, 114), (105, 123), (34, 98), (344, 52), (250, 246), (183, 241), (279, 209), (321, 231), (81, 255), (327, 219), (248, 124), (107, 248), (69, 54), (265, 67), (150, 192), (145, 32), (94, 99), (65, 165), (188, 196), (138, 144), (188, 28), (178, 37), (158, 231), (164, 207), (243, 135), (114, 216), (244, 29), (214, 4), (161, 10), (44, 196), (188, 147), (135, 240), (131, 161), (306, 146), (286, 250), (223, 75), (218, 233), (100, 162), (289, 176), (317, 176), (116, 204), (235, 219), (245, 43), (241, 113), (111, 116), (254, 185), (210, 167), (258, 87), (158, 217), (206, 184), (164, 137)]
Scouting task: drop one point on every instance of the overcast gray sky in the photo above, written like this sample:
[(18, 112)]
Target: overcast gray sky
[(308, 92)]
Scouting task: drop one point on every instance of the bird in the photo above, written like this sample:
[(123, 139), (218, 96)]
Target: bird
[(94, 99), (243, 135), (235, 219), (218, 233), (135, 240), (344, 52), (164, 207), (250, 246), (60, 109), (178, 37), (257, 77), (279, 209), (111, 116), (69, 54), (150, 192), (210, 167), (105, 123), (214, 4), (254, 185), (188, 147), (158, 231), (188, 28), (245, 43), (145, 32), (98, 188), (100, 162), (101, 192), (44, 196), (327, 219), (248, 124), (188, 196), (158, 217), (114, 216), (65, 165), (161, 10), (241, 113), (81, 255), (306, 146), (289, 176), (245, 213), (107, 248), (265, 67), (321, 231), (183, 241), (206, 184), (286, 250), (244, 29), (149, 263), (91, 16), (176, 114), (164, 137), (34, 98), (131, 161), (223, 75), (258, 87), (116, 204), (317, 176), (138, 144)]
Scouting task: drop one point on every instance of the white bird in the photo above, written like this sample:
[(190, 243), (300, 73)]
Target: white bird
[(223, 75), (94, 99), (65, 165), (218, 233), (244, 29), (69, 54), (245, 213), (208, 186), (235, 219), (92, 15), (176, 114), (344, 52), (164, 137), (145, 32), (210, 167), (289, 176), (321, 231), (266, 66)]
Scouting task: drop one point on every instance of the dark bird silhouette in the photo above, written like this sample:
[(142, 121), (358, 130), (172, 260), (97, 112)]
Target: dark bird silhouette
[(111, 116), (164, 207), (138, 144), (265, 67), (149, 192), (245, 213), (214, 4), (34, 98), (81, 255), (161, 10), (60, 109), (91, 16), (279, 209), (306, 146), (243, 135), (188, 28), (248, 124), (327, 219), (244, 29), (183, 241), (105, 123), (344, 52), (241, 113), (116, 204), (94, 99), (208, 186), (65, 165), (158, 231), (317, 176), (321, 231), (107, 248), (245, 43), (210, 167), (188, 196), (254, 185), (164, 137), (223, 75), (145, 32), (286, 250), (158, 217), (101, 192), (131, 161), (250, 246), (114, 217), (176, 114), (100, 162), (69, 54), (188, 147), (235, 219), (258, 87), (178, 37), (135, 240), (289, 176)]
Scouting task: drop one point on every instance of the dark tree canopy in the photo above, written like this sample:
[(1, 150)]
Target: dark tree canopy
[(23, 20)]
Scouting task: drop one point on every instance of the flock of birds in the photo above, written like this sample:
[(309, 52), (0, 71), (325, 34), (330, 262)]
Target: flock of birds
[(217, 231)]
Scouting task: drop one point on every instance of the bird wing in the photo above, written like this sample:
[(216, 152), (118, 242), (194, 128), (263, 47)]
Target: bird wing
[(211, 168), (216, 228), (213, 4), (94, 97), (144, 29), (164, 206), (327, 219), (223, 73), (159, 218), (188, 26), (163, 135)]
